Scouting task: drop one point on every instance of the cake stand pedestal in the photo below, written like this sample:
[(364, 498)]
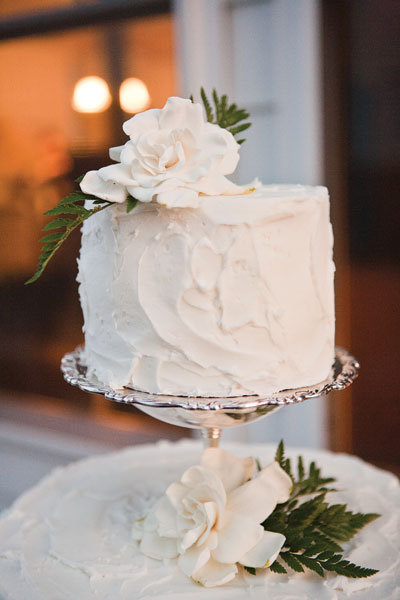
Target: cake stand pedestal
[(210, 415)]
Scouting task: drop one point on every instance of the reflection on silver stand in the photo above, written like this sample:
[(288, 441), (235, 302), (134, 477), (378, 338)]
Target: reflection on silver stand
[(210, 415)]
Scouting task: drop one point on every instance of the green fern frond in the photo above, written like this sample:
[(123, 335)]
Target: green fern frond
[(207, 106), (276, 567), (72, 205), (314, 529), (292, 561), (130, 204), (280, 454), (224, 114)]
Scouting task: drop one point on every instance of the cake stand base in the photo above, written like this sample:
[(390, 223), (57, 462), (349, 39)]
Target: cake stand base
[(210, 415)]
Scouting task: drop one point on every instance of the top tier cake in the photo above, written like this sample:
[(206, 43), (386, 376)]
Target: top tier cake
[(205, 288), (233, 297)]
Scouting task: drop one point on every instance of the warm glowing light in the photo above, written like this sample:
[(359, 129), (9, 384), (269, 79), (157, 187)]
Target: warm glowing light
[(91, 95), (134, 95)]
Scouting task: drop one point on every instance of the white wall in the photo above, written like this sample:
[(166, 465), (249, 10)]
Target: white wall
[(266, 56)]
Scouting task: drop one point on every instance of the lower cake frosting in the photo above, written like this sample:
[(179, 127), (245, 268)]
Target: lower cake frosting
[(233, 297), (70, 537)]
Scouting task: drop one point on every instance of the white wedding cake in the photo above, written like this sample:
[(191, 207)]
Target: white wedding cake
[(70, 537), (191, 285), (205, 288)]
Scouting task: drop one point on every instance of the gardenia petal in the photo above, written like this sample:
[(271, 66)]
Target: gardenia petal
[(166, 517), (153, 143), (181, 113), (232, 471), (214, 573), (150, 523), (191, 537), (215, 184), (147, 194), (238, 535), (260, 496), (115, 153), (198, 478), (112, 191), (265, 552), (211, 512), (142, 194), (175, 493), (205, 485), (128, 153), (144, 177), (230, 157), (196, 172), (142, 123), (223, 146), (197, 524), (193, 559), (277, 477), (171, 154), (180, 197), (117, 173)]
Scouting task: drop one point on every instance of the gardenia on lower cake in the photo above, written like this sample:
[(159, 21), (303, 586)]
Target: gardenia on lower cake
[(172, 156), (211, 519)]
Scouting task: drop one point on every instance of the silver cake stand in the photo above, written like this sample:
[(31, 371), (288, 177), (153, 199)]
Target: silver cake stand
[(210, 415)]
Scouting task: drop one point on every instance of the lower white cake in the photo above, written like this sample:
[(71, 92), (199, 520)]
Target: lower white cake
[(69, 538)]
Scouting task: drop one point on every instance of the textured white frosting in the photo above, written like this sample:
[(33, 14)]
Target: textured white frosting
[(69, 537), (233, 297)]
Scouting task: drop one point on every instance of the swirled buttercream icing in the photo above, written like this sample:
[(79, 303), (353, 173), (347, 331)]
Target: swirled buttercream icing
[(70, 537), (230, 298)]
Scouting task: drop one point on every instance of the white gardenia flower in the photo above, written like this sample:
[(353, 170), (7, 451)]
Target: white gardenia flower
[(211, 519), (172, 156)]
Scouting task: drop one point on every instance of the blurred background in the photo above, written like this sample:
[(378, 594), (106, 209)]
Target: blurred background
[(320, 80)]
